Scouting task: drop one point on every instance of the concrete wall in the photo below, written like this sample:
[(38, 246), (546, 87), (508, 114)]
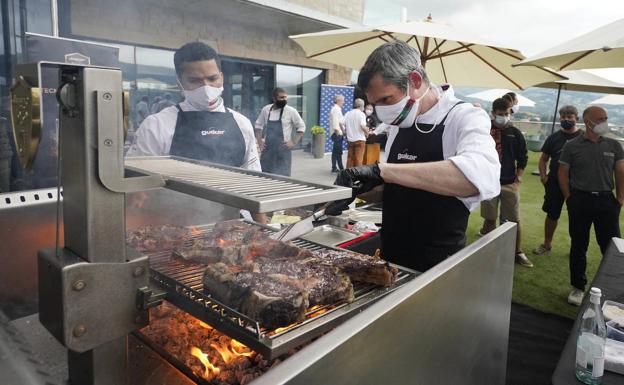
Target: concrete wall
[(232, 29), (347, 9)]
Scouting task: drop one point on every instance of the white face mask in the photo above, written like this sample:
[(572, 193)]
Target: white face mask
[(391, 114), (204, 98), (515, 108), (501, 121), (368, 112), (601, 128)]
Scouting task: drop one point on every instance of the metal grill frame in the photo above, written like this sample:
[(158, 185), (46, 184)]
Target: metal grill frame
[(255, 191), (248, 331)]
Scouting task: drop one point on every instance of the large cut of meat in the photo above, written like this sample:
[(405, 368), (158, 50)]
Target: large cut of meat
[(324, 284), (359, 267), (271, 301), (157, 237)]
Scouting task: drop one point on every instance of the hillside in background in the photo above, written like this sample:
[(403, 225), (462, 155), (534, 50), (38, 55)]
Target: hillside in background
[(545, 99)]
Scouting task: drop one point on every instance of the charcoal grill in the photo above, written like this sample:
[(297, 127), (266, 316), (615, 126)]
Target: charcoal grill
[(182, 282), (447, 325)]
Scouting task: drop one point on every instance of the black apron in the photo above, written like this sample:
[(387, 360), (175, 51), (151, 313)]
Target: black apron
[(209, 136), (276, 158), (420, 228)]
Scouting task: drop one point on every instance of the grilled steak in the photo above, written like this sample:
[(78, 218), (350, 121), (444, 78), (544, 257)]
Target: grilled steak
[(324, 284), (358, 267), (271, 301), (157, 237)]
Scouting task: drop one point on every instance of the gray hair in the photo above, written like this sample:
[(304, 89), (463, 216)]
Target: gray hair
[(338, 97), (568, 110), (394, 61), (358, 103)]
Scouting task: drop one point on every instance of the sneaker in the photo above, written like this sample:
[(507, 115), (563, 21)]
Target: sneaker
[(481, 233), (575, 297), (522, 260), (334, 170), (541, 249)]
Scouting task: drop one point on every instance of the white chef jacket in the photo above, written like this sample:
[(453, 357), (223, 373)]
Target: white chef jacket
[(353, 121), (466, 142), (290, 120), (154, 136)]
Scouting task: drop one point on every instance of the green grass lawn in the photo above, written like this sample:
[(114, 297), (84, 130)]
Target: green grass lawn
[(546, 286)]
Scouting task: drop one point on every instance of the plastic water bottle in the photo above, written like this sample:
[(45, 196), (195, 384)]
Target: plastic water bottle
[(590, 345)]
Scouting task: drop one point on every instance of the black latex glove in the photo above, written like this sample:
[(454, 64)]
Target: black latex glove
[(361, 179)]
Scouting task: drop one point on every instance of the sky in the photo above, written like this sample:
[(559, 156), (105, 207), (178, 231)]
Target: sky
[(530, 26)]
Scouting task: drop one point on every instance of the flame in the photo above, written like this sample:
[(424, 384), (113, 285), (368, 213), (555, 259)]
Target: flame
[(222, 242), (228, 351), (195, 231), (203, 357), (204, 325)]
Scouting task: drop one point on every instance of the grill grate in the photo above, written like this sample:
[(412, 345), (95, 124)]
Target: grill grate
[(183, 283), (251, 190)]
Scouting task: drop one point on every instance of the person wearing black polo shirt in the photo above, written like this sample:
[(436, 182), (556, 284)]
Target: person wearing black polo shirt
[(586, 171), (551, 150)]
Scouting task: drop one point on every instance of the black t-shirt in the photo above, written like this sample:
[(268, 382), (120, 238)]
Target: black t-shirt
[(553, 146)]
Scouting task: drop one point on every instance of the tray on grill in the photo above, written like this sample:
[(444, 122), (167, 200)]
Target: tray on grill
[(246, 189), (183, 283)]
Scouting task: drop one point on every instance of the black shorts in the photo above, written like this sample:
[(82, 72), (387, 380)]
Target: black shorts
[(553, 198)]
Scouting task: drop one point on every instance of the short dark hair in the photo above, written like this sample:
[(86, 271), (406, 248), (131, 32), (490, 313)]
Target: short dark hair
[(195, 51), (277, 91), (501, 104), (393, 61), (568, 110)]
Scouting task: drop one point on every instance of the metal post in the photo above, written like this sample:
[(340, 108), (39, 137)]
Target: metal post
[(552, 129), (94, 216), (54, 17)]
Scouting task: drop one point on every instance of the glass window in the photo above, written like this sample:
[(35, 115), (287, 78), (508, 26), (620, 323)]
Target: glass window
[(38, 17)]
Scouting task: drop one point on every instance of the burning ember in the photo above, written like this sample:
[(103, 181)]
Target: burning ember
[(210, 355)]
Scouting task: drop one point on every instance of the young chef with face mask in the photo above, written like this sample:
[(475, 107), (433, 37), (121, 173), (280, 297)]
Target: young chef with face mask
[(441, 159), (200, 127), (551, 150), (587, 167), (513, 156)]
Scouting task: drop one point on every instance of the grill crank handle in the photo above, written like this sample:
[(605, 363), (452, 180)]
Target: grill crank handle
[(146, 298)]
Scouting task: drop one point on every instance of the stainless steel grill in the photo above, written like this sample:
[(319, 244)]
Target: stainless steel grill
[(183, 285), (245, 189)]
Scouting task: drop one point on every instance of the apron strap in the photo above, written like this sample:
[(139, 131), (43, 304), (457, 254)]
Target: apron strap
[(449, 111), (178, 107)]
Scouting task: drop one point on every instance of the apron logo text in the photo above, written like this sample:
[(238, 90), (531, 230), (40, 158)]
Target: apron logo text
[(212, 132), (407, 157)]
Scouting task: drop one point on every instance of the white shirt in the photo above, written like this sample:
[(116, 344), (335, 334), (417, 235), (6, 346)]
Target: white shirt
[(154, 136), (290, 119), (466, 142), (335, 119), (354, 120)]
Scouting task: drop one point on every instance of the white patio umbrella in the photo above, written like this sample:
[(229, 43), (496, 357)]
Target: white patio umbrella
[(450, 55), (491, 95), (610, 99), (600, 48), (585, 81)]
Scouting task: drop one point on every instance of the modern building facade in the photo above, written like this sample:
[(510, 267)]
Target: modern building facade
[(250, 35)]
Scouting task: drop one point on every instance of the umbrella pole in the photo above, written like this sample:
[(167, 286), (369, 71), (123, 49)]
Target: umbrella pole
[(552, 129)]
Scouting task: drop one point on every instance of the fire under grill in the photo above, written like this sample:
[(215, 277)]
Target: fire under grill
[(245, 189), (182, 282)]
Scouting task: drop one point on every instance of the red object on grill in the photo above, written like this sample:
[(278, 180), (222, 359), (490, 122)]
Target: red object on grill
[(356, 240)]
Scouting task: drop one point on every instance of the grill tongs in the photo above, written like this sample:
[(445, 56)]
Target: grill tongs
[(297, 229)]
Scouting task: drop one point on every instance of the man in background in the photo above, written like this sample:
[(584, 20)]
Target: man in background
[(142, 110), (336, 129), (356, 131), (274, 132), (512, 153), (587, 167), (551, 150)]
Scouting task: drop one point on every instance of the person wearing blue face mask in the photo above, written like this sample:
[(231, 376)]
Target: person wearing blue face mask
[(588, 166), (512, 152), (441, 160), (551, 150)]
